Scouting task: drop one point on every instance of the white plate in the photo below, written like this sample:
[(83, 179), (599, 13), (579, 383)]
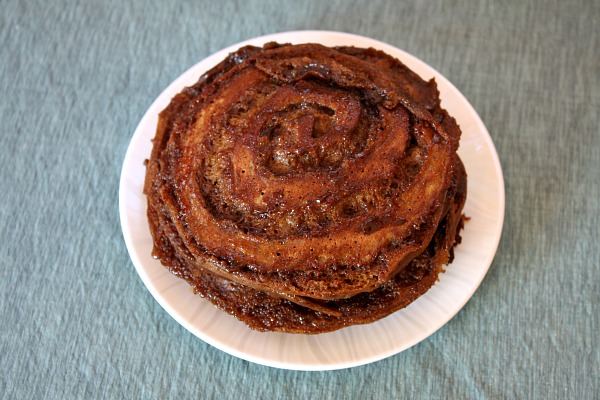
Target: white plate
[(351, 346)]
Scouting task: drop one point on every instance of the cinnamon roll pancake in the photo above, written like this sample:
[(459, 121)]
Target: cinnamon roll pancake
[(303, 188)]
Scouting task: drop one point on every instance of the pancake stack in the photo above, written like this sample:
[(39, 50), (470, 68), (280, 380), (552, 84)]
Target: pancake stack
[(304, 189)]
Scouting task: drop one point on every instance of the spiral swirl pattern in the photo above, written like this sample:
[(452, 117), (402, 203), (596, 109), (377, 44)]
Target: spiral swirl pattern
[(302, 181)]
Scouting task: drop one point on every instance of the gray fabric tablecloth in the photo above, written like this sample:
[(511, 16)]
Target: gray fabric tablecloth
[(76, 78)]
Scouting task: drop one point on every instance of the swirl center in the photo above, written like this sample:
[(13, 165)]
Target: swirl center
[(309, 127)]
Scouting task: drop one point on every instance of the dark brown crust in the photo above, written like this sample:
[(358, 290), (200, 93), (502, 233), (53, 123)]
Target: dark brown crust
[(304, 188)]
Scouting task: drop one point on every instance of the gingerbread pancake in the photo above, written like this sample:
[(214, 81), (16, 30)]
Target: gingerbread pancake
[(304, 188)]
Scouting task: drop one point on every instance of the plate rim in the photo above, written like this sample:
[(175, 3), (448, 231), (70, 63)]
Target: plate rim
[(211, 60)]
